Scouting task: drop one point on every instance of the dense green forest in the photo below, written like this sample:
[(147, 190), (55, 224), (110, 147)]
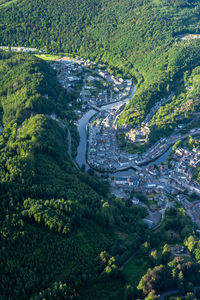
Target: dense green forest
[(182, 111), (177, 273), (62, 235), (55, 221), (140, 38)]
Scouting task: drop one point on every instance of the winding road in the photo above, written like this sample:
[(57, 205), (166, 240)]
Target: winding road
[(175, 291), (62, 125)]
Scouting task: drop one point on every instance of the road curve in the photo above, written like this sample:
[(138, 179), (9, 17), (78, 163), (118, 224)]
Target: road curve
[(175, 291)]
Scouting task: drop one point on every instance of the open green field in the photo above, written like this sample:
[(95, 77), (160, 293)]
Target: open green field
[(48, 57), (52, 57), (134, 270)]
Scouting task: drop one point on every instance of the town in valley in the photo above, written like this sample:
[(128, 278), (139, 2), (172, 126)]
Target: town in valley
[(162, 175)]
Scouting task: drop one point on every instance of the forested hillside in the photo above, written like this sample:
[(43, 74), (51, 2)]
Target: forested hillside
[(140, 38), (62, 235), (55, 221)]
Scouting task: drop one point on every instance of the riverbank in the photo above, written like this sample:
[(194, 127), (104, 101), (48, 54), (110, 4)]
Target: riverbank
[(85, 119)]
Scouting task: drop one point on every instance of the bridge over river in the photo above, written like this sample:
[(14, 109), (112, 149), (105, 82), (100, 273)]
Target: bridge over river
[(132, 165), (95, 107)]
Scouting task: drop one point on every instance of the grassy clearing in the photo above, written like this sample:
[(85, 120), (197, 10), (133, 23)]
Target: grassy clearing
[(48, 57), (134, 270), (103, 289), (52, 57)]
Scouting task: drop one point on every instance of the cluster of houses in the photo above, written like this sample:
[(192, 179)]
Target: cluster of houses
[(103, 147), (184, 162), (101, 151), (96, 87), (149, 180), (104, 153), (67, 73), (189, 158), (163, 181), (95, 91), (121, 86)]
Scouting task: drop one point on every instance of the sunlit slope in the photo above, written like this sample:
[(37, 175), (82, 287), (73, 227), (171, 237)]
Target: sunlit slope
[(133, 36)]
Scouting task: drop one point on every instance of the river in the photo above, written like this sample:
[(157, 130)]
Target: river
[(158, 161), (82, 148), (81, 151), (162, 158)]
